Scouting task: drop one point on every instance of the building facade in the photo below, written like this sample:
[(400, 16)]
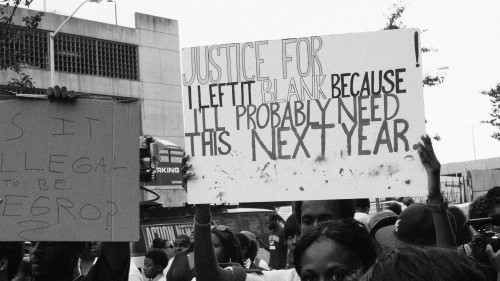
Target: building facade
[(98, 58)]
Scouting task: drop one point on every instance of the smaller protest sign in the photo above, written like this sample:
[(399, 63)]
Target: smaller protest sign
[(69, 172)]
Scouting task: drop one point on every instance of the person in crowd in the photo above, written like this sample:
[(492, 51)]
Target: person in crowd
[(182, 243), (463, 234), (253, 251), (483, 206), (156, 243), (415, 226), (424, 264), (292, 235), (406, 200), (381, 219), (334, 250), (24, 273), (181, 267), (395, 207), (248, 251), (276, 245), (168, 247), (87, 259), (155, 262), (362, 211), (58, 261), (11, 256)]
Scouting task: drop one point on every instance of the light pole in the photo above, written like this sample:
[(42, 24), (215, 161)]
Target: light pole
[(51, 43)]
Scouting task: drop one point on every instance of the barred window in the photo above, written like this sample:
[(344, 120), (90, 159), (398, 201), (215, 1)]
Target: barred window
[(91, 56), (74, 54), (28, 47)]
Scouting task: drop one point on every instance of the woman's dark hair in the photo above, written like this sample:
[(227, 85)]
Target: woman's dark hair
[(250, 244), (13, 251), (463, 234), (483, 205), (292, 227), (347, 232), (159, 257), (345, 207), (230, 243), (424, 264)]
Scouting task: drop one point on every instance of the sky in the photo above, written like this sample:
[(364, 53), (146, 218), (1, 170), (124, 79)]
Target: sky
[(465, 34)]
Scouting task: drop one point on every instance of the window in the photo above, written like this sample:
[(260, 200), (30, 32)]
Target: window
[(29, 47), (74, 54), (91, 56)]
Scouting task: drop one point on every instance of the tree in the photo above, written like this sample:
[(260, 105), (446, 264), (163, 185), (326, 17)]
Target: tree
[(13, 46), (494, 94), (394, 22)]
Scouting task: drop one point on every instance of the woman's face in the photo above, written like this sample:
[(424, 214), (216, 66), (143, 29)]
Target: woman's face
[(220, 252), (326, 259)]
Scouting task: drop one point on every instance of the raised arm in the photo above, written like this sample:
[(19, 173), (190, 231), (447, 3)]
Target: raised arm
[(206, 266), (444, 231)]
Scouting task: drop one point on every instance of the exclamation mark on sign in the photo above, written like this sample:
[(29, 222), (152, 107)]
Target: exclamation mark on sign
[(417, 48)]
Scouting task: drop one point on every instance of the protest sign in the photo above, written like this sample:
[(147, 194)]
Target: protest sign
[(319, 117), (69, 172)]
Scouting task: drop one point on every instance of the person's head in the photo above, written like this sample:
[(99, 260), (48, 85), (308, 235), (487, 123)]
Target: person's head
[(291, 231), (168, 247), (54, 260), (395, 207), (155, 262), (157, 243), (246, 246), (463, 234), (424, 264), (95, 249), (485, 206), (310, 213), (182, 243), (334, 250), (254, 245), (272, 221), (406, 200), (226, 245), (363, 205), (414, 226), (11, 255)]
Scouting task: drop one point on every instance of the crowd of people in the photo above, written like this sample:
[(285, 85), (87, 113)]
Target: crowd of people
[(321, 240)]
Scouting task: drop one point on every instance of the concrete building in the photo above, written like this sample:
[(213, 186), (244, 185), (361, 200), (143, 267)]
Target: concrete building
[(98, 58)]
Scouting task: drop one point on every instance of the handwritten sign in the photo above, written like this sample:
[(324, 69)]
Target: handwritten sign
[(318, 117), (69, 172)]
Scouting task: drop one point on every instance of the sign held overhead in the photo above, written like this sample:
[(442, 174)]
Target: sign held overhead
[(318, 117)]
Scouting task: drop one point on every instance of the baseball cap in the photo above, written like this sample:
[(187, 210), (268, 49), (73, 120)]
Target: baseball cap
[(380, 220), (414, 226)]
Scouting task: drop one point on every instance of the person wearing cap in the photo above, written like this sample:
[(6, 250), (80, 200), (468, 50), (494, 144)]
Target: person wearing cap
[(381, 219), (422, 224)]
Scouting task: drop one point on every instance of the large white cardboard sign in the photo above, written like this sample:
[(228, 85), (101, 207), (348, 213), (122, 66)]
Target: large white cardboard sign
[(318, 117), (69, 172)]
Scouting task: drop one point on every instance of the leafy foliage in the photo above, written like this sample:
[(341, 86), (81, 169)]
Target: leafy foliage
[(494, 94), (394, 22), (12, 35)]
